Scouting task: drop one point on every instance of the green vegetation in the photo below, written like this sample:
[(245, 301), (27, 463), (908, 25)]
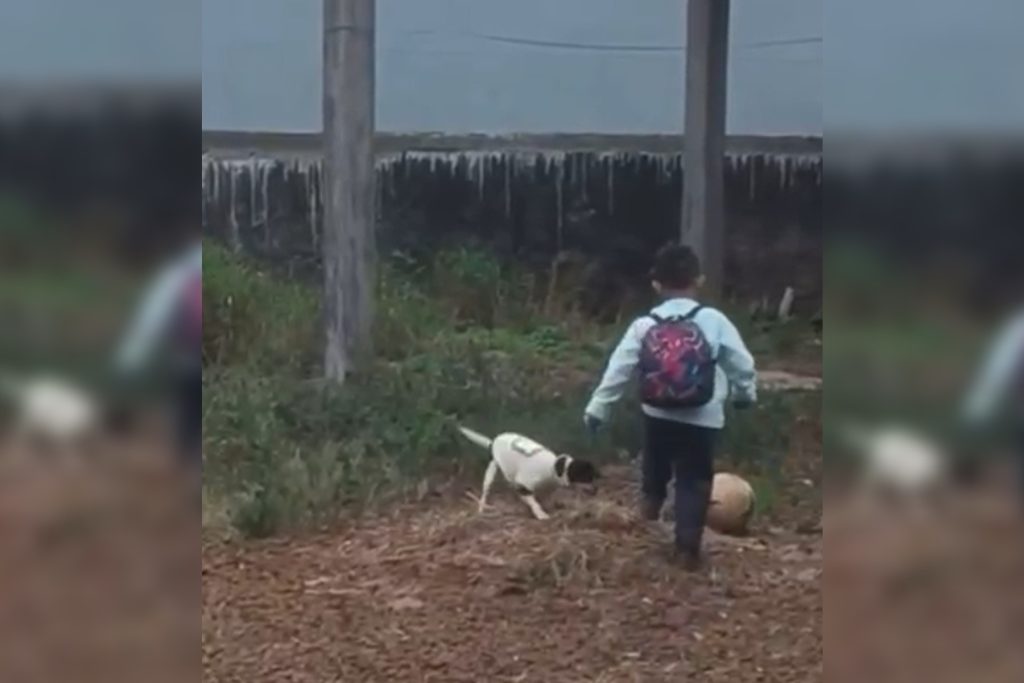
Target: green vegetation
[(460, 340), (903, 344), (60, 313)]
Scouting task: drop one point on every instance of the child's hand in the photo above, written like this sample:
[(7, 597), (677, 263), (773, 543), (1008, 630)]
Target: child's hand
[(592, 424)]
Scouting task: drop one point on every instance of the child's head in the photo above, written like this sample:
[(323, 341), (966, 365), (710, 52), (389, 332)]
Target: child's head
[(676, 271)]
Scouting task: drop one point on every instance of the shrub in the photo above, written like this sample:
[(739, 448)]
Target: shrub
[(459, 341), (253, 320)]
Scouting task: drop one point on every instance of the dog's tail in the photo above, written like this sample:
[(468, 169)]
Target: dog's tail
[(476, 437)]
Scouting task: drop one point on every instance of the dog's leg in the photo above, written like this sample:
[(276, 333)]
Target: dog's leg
[(538, 511), (531, 502), (492, 472)]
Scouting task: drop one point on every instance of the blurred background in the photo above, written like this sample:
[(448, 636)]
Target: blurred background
[(99, 113), (923, 280), (923, 118), (95, 193)]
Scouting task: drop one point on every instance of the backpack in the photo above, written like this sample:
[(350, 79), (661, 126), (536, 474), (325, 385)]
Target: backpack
[(677, 367)]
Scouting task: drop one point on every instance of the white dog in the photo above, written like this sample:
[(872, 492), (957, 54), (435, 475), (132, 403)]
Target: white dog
[(529, 467), (899, 462), (51, 411)]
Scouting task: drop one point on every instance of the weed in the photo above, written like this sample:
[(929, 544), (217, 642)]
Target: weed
[(253, 320), (462, 340)]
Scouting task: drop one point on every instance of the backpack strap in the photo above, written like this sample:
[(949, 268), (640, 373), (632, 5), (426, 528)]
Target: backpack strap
[(693, 312), (676, 318)]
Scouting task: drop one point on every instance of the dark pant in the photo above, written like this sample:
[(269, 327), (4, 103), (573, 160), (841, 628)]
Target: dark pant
[(687, 452), (189, 408)]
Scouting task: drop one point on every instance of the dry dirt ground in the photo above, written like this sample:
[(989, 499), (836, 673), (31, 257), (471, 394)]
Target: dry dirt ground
[(434, 592), (926, 596), (98, 568)]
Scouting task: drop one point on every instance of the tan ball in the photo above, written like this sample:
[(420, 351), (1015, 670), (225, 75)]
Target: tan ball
[(732, 504)]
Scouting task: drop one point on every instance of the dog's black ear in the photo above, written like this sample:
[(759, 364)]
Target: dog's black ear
[(560, 464)]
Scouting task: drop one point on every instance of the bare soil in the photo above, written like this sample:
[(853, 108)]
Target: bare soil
[(98, 567), (434, 592), (926, 595)]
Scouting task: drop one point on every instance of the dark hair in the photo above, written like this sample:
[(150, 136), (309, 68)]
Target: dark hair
[(676, 266)]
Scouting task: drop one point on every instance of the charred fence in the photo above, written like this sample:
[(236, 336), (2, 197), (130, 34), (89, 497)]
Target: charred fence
[(534, 201)]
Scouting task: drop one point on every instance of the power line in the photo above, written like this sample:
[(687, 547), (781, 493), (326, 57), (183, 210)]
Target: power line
[(610, 47), (573, 46), (415, 51), (631, 48), (810, 40)]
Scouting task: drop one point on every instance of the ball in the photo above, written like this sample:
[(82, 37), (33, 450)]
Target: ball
[(732, 504)]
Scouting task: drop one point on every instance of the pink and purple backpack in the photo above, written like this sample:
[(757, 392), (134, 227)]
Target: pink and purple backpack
[(677, 366)]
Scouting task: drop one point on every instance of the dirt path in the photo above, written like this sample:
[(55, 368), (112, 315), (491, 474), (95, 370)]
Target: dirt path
[(97, 569), (935, 597), (433, 592)]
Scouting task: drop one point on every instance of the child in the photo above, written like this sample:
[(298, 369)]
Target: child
[(171, 312), (690, 360)]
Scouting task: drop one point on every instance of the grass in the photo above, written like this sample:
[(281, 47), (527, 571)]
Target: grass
[(63, 305), (459, 340), (903, 345)]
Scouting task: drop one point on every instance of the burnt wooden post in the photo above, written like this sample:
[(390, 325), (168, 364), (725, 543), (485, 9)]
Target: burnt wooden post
[(703, 223), (348, 245)]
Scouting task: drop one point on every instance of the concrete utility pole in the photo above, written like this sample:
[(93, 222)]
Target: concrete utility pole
[(703, 224), (349, 243)]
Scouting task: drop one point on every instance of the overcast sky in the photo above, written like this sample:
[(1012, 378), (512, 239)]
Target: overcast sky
[(109, 39), (888, 63), (438, 72)]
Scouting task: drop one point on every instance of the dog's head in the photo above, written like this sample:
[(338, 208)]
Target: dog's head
[(573, 471)]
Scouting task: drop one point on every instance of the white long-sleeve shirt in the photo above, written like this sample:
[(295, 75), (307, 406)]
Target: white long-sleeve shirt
[(1002, 366), (735, 374), (157, 310)]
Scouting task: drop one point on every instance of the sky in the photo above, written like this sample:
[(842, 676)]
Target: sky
[(100, 39), (439, 71), (883, 64)]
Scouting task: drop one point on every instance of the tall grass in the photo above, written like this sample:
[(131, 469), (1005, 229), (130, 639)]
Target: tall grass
[(459, 340)]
